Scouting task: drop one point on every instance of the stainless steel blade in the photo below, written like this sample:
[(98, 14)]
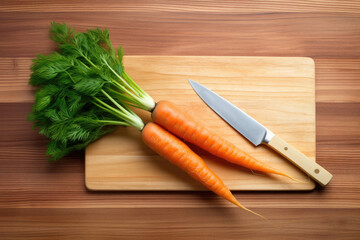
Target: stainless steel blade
[(238, 119)]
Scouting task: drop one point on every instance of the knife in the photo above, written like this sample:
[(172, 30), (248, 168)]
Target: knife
[(257, 134)]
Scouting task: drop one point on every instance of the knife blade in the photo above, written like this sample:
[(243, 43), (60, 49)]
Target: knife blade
[(258, 134)]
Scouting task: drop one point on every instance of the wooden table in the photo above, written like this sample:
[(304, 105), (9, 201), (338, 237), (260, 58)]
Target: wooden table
[(43, 200)]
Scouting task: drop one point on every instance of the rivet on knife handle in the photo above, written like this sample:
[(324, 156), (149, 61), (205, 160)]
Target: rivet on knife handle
[(314, 170)]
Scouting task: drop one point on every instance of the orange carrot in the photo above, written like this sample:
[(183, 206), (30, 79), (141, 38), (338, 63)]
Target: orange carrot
[(178, 153), (178, 122)]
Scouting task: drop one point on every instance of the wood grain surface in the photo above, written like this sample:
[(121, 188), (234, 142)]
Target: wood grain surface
[(42, 200), (278, 91)]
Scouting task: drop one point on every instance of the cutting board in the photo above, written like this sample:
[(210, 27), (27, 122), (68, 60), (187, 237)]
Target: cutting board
[(279, 92)]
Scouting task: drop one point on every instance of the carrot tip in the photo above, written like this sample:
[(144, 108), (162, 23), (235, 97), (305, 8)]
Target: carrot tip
[(299, 181), (285, 175), (257, 214), (294, 179), (246, 209)]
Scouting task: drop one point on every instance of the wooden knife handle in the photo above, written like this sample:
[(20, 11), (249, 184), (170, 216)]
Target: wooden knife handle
[(314, 170)]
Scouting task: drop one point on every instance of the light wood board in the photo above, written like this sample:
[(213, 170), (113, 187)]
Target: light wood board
[(277, 91)]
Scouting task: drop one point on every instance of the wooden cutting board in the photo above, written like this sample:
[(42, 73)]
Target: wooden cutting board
[(279, 92)]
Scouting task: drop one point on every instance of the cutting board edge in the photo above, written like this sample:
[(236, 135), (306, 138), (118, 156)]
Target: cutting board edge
[(310, 186), (310, 59)]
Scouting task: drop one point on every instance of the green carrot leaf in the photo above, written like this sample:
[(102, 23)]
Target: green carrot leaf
[(83, 90)]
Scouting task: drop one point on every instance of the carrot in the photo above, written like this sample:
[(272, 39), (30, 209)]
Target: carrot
[(176, 121), (178, 153)]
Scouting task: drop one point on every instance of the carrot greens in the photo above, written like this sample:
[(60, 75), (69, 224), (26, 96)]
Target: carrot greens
[(83, 90)]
